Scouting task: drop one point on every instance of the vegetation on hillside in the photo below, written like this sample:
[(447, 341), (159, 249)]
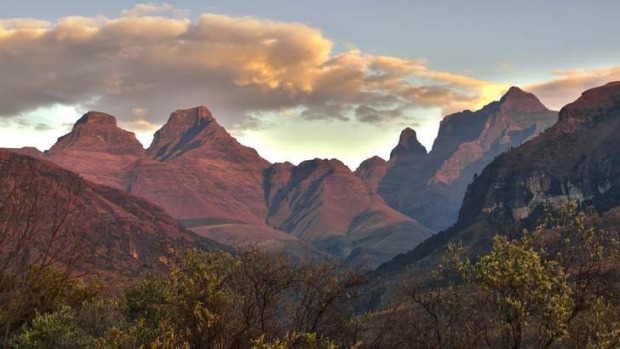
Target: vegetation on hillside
[(555, 287)]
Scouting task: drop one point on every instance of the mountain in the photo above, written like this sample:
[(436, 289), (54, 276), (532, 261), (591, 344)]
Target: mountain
[(215, 186), (325, 203), (576, 159), (430, 186), (196, 170), (120, 236), (97, 149)]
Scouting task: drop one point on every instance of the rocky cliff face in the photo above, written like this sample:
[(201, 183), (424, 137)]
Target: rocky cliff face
[(97, 149), (196, 170), (195, 132), (98, 132), (576, 159), (430, 187)]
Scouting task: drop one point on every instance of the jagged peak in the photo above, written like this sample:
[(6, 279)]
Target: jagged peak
[(183, 128), (195, 132), (408, 144), (514, 91), (516, 98)]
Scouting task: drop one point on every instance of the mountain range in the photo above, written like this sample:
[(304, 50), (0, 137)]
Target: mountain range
[(577, 159), (199, 174), (224, 191)]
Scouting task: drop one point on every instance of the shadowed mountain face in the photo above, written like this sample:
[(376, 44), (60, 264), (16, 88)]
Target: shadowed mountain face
[(576, 159), (430, 187), (215, 186), (116, 234)]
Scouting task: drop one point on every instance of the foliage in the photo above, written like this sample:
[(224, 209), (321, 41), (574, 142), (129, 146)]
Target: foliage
[(554, 287), (294, 340), (54, 330)]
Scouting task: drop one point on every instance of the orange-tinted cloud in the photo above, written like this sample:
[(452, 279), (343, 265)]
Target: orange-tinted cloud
[(144, 64), (568, 85)]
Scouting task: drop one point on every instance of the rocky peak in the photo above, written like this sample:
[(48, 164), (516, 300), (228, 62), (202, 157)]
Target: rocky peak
[(195, 133), (519, 100), (186, 118), (373, 162), (97, 118), (186, 130), (98, 132), (408, 144)]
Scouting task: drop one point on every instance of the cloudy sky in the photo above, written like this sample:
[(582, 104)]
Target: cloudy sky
[(295, 80)]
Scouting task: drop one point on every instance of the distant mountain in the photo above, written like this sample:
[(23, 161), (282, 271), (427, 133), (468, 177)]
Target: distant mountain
[(323, 202), (121, 236), (215, 186), (576, 159), (430, 186)]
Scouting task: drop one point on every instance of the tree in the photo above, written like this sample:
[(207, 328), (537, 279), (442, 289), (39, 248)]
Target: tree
[(553, 287), (40, 245)]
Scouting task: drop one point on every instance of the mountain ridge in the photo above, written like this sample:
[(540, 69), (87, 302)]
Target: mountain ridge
[(577, 159)]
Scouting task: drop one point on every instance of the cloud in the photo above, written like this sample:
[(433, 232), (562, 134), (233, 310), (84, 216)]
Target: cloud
[(147, 9), (140, 125), (139, 112), (327, 111), (43, 127), (145, 64), (369, 114), (569, 84)]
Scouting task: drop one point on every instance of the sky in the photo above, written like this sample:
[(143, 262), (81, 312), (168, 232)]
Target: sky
[(294, 79)]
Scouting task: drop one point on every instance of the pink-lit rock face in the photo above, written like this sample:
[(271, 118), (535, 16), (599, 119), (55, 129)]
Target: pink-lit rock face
[(195, 133), (196, 169), (198, 173), (97, 149), (98, 132), (430, 187), (122, 235), (322, 200)]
